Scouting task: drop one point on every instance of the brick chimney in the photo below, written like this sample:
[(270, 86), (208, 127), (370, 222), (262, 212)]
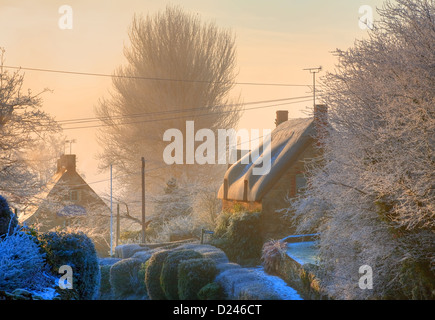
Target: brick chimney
[(67, 162), (281, 116)]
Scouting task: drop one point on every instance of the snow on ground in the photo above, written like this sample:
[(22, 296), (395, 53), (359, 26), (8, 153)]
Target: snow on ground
[(46, 294), (303, 252), (278, 285)]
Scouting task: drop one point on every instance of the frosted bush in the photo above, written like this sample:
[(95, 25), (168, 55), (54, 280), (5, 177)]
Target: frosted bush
[(372, 197), (22, 264), (181, 225), (244, 284)]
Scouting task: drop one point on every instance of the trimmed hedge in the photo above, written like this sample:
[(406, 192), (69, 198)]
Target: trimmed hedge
[(169, 274), (124, 277), (78, 251), (105, 279), (141, 278), (8, 220), (212, 291), (152, 275), (238, 235), (193, 274)]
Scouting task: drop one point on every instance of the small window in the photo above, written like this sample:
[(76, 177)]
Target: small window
[(74, 195), (301, 183)]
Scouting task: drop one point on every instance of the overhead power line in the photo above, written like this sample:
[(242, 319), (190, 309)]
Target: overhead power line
[(145, 114), (183, 117), (153, 78)]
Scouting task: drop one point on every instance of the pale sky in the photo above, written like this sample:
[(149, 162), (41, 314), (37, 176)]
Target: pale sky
[(276, 40)]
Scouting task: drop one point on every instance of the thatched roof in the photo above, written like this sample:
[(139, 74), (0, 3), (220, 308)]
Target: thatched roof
[(288, 140)]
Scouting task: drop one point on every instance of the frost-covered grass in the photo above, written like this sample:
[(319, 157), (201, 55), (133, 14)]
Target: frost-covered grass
[(277, 284), (255, 284), (45, 294)]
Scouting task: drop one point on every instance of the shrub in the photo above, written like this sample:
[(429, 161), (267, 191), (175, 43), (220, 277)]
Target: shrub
[(124, 277), (237, 235), (272, 255), (141, 278), (78, 251), (125, 251), (244, 284), (130, 236), (169, 274), (416, 280), (222, 223), (105, 287), (178, 228), (208, 251), (8, 220), (22, 264), (193, 274), (142, 256), (152, 275), (211, 291)]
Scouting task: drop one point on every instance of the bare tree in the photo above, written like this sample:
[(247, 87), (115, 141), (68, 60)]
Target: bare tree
[(23, 127), (198, 61), (373, 198)]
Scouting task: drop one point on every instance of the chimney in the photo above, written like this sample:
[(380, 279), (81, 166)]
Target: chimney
[(321, 119), (66, 162), (281, 116)]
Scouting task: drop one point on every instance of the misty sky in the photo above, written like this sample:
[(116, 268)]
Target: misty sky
[(276, 39)]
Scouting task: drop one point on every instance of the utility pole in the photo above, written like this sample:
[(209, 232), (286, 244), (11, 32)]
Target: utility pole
[(118, 225), (143, 200), (314, 71), (111, 214)]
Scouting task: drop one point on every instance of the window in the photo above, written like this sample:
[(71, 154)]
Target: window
[(74, 195), (301, 183)]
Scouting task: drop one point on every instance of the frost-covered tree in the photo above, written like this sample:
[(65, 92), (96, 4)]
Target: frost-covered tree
[(23, 127), (176, 200), (373, 198), (189, 71)]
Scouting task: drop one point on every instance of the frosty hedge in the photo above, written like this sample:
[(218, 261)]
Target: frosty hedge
[(8, 220), (169, 274), (194, 274), (78, 251)]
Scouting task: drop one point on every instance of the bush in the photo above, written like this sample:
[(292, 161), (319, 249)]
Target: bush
[(169, 274), (272, 255), (78, 251), (21, 264), (105, 287), (129, 236), (222, 223), (124, 277), (8, 220), (244, 284), (237, 235), (416, 280), (212, 291), (141, 278), (152, 275), (193, 274), (178, 228)]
